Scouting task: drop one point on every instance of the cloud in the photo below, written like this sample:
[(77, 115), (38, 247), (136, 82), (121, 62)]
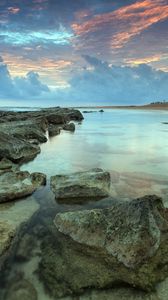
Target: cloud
[(103, 83), (97, 83), (13, 10), (124, 23), (59, 37), (20, 87)]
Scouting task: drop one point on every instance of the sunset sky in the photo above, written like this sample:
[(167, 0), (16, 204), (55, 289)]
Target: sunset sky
[(83, 52)]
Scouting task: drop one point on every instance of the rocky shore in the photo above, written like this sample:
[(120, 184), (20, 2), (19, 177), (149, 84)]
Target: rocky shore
[(76, 239), (20, 136)]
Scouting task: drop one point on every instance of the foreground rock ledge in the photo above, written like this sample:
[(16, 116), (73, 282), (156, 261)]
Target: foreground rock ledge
[(81, 186), (99, 248)]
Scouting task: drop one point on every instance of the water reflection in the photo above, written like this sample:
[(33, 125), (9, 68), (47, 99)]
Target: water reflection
[(115, 140)]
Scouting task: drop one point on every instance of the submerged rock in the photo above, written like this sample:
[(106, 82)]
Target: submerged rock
[(15, 185), (81, 186), (21, 290), (99, 248), (13, 216)]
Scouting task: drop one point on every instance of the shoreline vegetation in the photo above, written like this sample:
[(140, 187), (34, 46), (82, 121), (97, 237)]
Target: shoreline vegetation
[(151, 106), (114, 249)]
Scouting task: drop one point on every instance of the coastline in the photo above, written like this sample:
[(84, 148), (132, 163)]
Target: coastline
[(141, 107)]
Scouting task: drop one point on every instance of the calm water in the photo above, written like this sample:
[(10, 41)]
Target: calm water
[(120, 140)]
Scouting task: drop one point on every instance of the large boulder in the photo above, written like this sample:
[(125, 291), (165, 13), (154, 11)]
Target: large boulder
[(126, 243), (15, 185), (81, 186), (17, 150)]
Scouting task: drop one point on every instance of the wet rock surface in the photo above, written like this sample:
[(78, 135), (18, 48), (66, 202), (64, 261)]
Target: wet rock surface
[(100, 248), (21, 290), (13, 216), (81, 186), (15, 185), (21, 132), (69, 127)]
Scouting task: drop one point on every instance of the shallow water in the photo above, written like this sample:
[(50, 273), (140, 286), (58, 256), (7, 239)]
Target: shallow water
[(131, 144), (120, 140)]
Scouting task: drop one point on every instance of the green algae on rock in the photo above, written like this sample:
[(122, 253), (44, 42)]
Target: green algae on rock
[(81, 186), (126, 243)]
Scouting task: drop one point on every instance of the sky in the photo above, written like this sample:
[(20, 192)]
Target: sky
[(83, 52)]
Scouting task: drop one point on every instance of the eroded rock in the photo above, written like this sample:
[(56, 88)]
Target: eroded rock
[(81, 186), (17, 150), (69, 127), (99, 248), (15, 185)]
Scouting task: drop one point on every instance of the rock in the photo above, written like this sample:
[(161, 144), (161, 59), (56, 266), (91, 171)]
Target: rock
[(89, 111), (38, 179), (53, 130), (13, 216), (81, 186), (16, 150), (7, 233), (101, 110), (56, 118), (69, 127), (21, 132), (15, 185), (26, 130), (21, 290), (126, 243), (7, 165), (73, 114), (120, 293), (25, 247)]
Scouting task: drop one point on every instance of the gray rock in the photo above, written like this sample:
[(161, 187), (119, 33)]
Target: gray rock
[(17, 150), (15, 185), (81, 186), (69, 127), (26, 130), (99, 248), (53, 130)]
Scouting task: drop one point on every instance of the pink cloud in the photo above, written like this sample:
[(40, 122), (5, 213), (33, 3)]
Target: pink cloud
[(125, 22)]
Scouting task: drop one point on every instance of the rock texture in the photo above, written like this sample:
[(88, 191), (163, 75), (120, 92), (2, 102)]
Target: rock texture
[(15, 185), (13, 216), (69, 127), (21, 290), (21, 132), (17, 150), (81, 186), (99, 248)]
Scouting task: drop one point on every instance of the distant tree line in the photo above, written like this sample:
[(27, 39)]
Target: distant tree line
[(160, 102)]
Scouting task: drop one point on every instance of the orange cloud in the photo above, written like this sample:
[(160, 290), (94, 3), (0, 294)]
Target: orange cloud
[(144, 60), (54, 69), (126, 22)]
